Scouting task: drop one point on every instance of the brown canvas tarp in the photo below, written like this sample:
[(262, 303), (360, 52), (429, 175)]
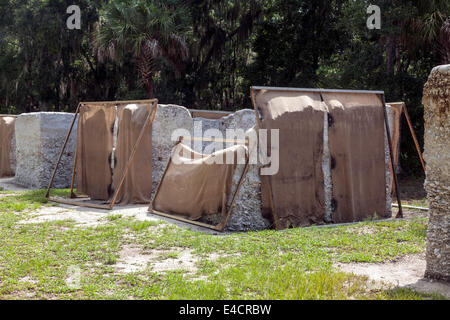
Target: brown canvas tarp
[(6, 136), (298, 188), (94, 148), (196, 185), (397, 107), (137, 186), (356, 142)]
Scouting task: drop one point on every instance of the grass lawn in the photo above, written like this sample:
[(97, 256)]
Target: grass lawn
[(38, 260)]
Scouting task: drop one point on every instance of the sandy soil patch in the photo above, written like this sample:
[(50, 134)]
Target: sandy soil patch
[(185, 260), (28, 279), (90, 217), (134, 259), (4, 195), (86, 217), (405, 272), (365, 230)]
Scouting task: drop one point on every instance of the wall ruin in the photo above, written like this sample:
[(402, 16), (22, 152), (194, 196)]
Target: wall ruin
[(436, 99)]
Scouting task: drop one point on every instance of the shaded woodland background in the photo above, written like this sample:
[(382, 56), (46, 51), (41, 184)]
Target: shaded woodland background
[(205, 54)]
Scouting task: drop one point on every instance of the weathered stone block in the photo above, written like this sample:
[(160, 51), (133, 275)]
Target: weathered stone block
[(246, 214), (39, 139), (168, 118), (436, 99)]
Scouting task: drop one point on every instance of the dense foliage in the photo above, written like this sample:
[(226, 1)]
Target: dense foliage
[(207, 53)]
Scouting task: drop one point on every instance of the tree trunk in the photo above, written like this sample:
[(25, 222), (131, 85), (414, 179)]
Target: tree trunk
[(391, 49), (145, 67), (149, 88)]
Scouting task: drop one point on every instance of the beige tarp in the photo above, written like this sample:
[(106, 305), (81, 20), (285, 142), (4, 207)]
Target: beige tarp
[(356, 141), (395, 136), (95, 144), (6, 136), (137, 186), (395, 130), (194, 184), (95, 174), (298, 187)]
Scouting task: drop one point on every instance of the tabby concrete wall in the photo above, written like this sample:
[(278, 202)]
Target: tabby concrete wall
[(39, 137), (436, 99), (246, 214)]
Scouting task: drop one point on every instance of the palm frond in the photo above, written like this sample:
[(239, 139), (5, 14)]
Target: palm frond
[(149, 30), (444, 42)]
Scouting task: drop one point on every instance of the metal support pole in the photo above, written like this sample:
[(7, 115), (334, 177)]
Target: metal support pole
[(414, 137)]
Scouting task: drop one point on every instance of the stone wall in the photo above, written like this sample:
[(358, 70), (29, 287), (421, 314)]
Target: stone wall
[(168, 118), (436, 99), (39, 138), (246, 214)]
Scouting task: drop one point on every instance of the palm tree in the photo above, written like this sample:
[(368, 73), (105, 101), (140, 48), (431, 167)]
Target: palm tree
[(149, 30), (427, 27), (444, 42)]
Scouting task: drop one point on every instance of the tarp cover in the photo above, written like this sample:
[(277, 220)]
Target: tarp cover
[(6, 136), (298, 187), (356, 142), (137, 186), (195, 184), (95, 144), (395, 130), (395, 135)]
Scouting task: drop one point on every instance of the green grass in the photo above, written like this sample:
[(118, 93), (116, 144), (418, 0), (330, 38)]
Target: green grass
[(417, 203), (293, 264), (409, 294)]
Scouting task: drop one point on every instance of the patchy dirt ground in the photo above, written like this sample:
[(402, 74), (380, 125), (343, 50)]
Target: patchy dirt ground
[(411, 188), (8, 195), (405, 272), (86, 217), (134, 259), (89, 217)]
